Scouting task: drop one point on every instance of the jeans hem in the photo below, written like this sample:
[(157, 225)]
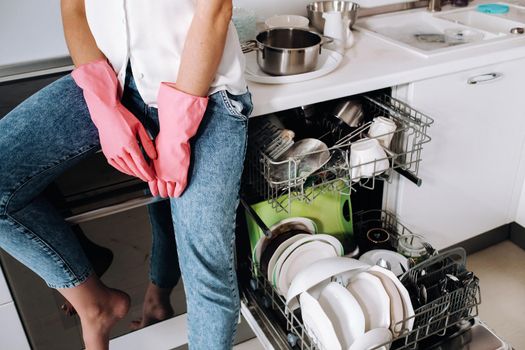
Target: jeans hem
[(44, 244), (73, 283)]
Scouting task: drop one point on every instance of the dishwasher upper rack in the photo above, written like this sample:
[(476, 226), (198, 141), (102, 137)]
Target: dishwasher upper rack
[(404, 156)]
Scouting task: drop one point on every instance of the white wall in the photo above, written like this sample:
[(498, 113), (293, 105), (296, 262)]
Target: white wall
[(268, 8), (30, 30)]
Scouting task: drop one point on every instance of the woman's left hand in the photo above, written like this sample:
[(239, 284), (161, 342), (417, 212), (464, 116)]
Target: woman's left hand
[(180, 115)]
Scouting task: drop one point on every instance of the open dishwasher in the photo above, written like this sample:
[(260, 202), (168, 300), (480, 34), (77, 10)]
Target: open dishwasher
[(281, 182)]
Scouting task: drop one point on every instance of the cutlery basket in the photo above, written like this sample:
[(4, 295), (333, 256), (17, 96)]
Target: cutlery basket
[(433, 319), (281, 181)]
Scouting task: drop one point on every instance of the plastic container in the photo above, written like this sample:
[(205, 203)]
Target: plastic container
[(493, 8)]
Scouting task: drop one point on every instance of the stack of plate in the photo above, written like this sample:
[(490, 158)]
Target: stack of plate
[(294, 246), (347, 304)]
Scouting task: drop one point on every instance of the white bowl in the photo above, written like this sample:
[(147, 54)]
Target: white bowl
[(316, 276), (289, 21)]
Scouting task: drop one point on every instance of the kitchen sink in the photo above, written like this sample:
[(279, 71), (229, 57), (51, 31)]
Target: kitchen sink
[(430, 34), (496, 24)]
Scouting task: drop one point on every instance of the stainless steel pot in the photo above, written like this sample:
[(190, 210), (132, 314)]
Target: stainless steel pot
[(286, 51), (316, 9)]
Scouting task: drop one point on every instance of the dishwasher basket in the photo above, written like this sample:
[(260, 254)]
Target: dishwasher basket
[(268, 142), (431, 319)]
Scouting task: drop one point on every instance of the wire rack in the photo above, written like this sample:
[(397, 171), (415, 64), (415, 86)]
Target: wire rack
[(268, 143), (434, 318), (377, 218)]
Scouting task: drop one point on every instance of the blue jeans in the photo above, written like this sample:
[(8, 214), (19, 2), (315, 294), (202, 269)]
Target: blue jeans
[(51, 131)]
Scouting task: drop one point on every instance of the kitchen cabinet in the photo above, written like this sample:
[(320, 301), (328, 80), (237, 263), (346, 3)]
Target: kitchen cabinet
[(471, 169), (12, 334)]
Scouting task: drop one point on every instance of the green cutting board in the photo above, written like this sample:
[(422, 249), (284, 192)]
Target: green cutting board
[(331, 211)]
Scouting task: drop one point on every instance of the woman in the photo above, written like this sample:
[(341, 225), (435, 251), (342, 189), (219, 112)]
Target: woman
[(177, 119)]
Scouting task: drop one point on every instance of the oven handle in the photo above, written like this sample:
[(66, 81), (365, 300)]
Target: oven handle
[(112, 209)]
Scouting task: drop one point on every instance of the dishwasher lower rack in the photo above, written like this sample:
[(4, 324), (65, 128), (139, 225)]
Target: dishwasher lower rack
[(433, 319), (282, 181)]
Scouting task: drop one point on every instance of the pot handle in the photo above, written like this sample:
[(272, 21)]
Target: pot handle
[(325, 40), (249, 46)]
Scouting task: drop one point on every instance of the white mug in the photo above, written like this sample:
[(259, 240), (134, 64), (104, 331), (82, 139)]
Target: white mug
[(367, 159), (382, 129)]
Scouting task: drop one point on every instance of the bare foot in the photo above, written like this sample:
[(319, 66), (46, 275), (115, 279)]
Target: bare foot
[(156, 307), (97, 322), (99, 257)]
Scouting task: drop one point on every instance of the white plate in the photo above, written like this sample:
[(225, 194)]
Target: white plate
[(374, 301), (372, 339), (328, 61), (299, 259), (317, 323), (408, 308), (280, 250), (274, 273), (397, 307), (344, 312), (394, 258), (311, 279), (299, 223)]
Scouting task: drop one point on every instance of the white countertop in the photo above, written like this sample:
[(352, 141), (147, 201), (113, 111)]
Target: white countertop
[(373, 64)]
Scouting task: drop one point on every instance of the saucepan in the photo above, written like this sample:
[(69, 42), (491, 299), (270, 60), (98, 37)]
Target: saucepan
[(287, 51)]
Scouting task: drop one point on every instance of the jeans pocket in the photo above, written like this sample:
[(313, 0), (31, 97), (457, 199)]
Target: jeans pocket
[(238, 106)]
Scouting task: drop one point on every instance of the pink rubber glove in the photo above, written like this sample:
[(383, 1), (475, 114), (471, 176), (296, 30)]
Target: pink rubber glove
[(179, 116), (119, 130)]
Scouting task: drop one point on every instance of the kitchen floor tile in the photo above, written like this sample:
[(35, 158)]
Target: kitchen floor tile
[(502, 279)]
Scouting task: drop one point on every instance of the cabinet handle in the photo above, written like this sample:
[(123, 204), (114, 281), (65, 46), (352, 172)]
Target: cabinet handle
[(484, 78)]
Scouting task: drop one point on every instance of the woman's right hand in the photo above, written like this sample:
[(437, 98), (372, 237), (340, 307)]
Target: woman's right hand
[(119, 130)]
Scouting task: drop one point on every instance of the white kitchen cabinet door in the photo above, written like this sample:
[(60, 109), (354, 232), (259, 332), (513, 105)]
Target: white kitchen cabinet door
[(12, 335), (472, 178)]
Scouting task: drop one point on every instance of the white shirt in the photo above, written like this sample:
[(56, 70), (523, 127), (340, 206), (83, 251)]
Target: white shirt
[(151, 34)]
